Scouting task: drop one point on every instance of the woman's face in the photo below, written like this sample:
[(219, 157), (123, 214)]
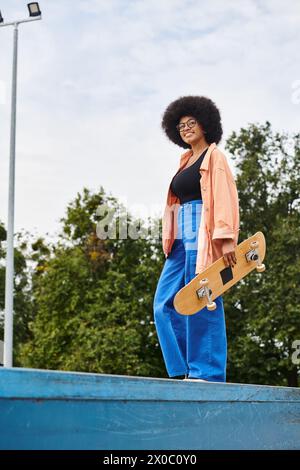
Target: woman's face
[(190, 130)]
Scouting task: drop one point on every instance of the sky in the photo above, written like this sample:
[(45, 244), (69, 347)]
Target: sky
[(95, 76)]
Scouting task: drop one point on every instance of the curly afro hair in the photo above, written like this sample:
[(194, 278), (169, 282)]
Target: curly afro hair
[(202, 109)]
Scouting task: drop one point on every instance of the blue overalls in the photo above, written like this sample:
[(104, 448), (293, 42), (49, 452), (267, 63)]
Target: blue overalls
[(193, 345)]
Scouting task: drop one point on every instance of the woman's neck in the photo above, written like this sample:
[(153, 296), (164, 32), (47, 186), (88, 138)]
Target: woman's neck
[(199, 147)]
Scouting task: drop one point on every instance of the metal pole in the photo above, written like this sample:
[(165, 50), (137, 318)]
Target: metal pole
[(9, 273)]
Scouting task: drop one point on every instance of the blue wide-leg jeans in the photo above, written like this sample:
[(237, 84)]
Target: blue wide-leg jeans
[(193, 345)]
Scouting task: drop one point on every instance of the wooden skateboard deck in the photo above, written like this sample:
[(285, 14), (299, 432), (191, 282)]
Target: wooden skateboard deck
[(218, 278)]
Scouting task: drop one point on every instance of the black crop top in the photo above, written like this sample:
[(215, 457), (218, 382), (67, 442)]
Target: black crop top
[(186, 184)]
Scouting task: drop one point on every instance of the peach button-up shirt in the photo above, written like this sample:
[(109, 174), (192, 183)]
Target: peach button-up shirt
[(220, 209)]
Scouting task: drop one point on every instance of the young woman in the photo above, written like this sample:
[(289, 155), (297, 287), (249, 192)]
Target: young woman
[(199, 225)]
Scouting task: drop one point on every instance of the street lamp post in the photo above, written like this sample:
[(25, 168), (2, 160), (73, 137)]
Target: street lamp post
[(35, 14)]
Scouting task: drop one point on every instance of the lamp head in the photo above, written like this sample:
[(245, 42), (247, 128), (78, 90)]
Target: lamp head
[(34, 9)]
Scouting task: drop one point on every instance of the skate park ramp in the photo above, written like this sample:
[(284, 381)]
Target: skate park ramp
[(43, 409)]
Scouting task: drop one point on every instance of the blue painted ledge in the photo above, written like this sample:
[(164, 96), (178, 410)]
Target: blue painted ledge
[(41, 409)]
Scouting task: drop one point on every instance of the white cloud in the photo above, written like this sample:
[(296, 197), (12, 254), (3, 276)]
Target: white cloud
[(3, 93)]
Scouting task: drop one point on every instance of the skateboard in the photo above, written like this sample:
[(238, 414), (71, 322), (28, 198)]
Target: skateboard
[(206, 286)]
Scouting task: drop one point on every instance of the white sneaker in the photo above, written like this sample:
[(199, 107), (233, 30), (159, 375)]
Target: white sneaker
[(195, 379)]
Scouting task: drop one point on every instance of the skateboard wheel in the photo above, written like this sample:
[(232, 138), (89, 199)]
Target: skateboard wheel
[(254, 244), (212, 306), (261, 268), (204, 282)]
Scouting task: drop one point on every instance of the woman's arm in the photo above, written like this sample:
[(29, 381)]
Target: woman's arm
[(228, 252)]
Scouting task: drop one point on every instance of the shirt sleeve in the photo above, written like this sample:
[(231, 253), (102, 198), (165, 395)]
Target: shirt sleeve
[(223, 205)]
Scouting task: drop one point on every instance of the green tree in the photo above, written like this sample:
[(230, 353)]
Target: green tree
[(263, 311), (93, 297), (23, 312), (89, 300)]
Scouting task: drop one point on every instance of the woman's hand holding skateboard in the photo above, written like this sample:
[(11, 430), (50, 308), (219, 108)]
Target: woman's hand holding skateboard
[(228, 252)]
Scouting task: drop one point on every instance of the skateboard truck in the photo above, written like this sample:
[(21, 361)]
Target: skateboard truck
[(253, 255), (204, 291)]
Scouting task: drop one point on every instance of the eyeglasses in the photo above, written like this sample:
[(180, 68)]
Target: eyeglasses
[(190, 123)]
